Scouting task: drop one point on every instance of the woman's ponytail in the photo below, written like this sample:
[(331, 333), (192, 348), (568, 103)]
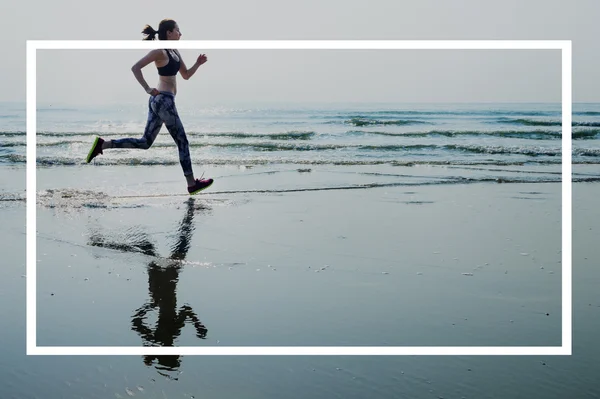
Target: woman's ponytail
[(149, 33)]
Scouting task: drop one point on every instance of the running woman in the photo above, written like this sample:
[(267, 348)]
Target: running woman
[(161, 105)]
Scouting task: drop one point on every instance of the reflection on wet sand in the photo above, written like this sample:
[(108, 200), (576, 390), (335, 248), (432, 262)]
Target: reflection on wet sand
[(163, 276)]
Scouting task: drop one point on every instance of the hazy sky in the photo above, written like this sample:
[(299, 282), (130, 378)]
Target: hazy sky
[(318, 75), (287, 75)]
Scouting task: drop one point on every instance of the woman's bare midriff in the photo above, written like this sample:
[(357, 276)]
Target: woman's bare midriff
[(167, 83)]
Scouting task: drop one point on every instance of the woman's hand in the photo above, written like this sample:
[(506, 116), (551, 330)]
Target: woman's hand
[(201, 59), (152, 91)]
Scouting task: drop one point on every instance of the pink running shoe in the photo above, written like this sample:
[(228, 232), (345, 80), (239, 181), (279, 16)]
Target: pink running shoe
[(200, 185)]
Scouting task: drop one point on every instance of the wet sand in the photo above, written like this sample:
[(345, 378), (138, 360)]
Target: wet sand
[(472, 264)]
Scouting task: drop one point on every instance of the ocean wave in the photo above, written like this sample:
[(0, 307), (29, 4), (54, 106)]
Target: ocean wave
[(12, 133), (272, 136), (12, 144), (482, 149), (50, 144), (538, 134), (358, 150), (534, 152), (412, 148), (134, 161), (533, 122), (291, 135), (585, 134), (519, 134), (400, 112), (377, 122)]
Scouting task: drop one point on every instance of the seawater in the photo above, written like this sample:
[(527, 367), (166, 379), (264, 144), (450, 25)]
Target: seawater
[(326, 134)]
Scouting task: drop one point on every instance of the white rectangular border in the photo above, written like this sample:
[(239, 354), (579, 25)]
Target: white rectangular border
[(566, 53)]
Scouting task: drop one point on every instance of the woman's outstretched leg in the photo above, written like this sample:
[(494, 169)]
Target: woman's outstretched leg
[(153, 125)]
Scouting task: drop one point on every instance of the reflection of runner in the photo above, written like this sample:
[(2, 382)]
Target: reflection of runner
[(162, 285), (170, 321)]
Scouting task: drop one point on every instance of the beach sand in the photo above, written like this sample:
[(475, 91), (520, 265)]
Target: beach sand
[(401, 264)]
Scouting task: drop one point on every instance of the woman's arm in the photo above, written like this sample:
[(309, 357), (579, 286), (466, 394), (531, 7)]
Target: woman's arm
[(188, 73), (137, 69)]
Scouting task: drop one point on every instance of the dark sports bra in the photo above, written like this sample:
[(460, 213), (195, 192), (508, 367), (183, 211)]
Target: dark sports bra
[(171, 68)]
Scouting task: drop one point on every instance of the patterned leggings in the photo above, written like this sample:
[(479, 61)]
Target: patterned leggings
[(161, 109)]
